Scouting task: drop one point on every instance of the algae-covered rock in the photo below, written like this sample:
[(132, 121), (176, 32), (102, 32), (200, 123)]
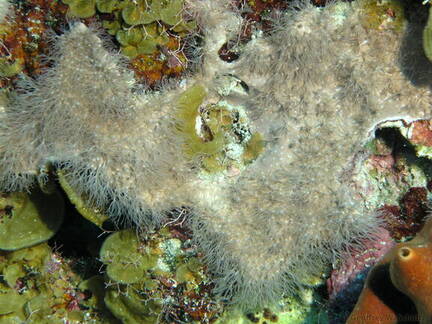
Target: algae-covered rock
[(41, 287), (10, 301), (133, 298), (385, 176), (28, 219), (158, 277), (96, 285)]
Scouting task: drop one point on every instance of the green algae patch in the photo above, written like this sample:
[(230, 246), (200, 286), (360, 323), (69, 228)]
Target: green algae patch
[(9, 69), (254, 148), (137, 13), (39, 286), (81, 8), (11, 274), (94, 215), (382, 14), (151, 33), (427, 37), (112, 27), (135, 42), (144, 12), (189, 274), (96, 285), (10, 301), (131, 306), (97, 288), (187, 115), (126, 260), (134, 298), (170, 282), (216, 136), (10, 319), (107, 6), (287, 311), (201, 144), (29, 219)]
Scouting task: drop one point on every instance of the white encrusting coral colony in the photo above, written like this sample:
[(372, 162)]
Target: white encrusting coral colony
[(315, 89)]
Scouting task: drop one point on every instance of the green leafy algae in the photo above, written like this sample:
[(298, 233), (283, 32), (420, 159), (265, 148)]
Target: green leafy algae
[(81, 8), (140, 26), (126, 259), (254, 148), (134, 42), (107, 6), (170, 281), (96, 285), (28, 219), (131, 306), (94, 215)]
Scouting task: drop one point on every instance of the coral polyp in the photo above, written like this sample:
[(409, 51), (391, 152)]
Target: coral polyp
[(260, 150)]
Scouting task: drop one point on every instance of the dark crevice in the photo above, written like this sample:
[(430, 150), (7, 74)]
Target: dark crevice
[(402, 148), (79, 240)]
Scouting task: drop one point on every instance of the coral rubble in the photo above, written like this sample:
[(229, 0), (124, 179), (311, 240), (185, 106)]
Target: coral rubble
[(260, 149)]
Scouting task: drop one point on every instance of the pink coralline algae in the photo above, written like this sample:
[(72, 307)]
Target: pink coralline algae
[(346, 280), (355, 263)]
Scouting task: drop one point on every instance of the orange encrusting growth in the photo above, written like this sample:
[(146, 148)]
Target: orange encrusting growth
[(370, 309), (408, 268), (411, 273), (376, 312)]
